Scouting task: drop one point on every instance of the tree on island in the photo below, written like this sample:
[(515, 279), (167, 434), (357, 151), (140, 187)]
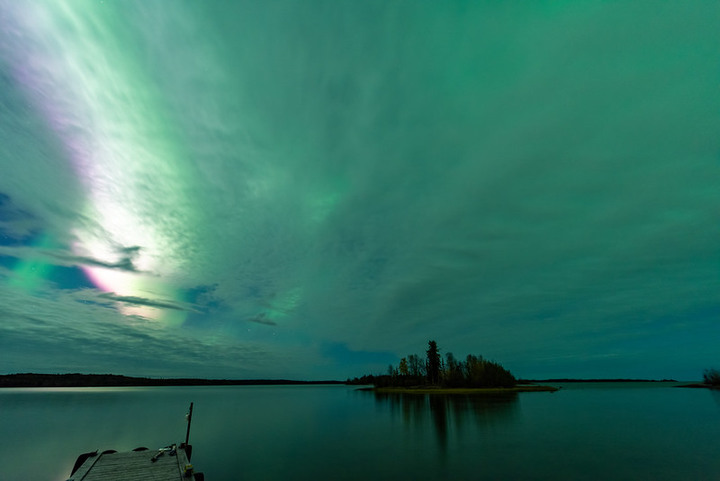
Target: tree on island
[(416, 368), (473, 372), (403, 367), (433, 363)]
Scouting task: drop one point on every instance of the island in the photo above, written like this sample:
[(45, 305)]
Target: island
[(449, 375)]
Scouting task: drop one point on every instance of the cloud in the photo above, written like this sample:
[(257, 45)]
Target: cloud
[(59, 337), (126, 257), (139, 301), (17, 226), (262, 318), (61, 257)]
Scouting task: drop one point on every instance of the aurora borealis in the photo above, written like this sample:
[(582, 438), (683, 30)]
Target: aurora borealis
[(314, 189)]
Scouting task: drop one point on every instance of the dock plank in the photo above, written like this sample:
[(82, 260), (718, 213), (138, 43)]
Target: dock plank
[(133, 466)]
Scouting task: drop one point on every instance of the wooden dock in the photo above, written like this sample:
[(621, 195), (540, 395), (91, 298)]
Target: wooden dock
[(167, 464)]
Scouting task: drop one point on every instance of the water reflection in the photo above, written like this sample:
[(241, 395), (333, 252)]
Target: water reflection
[(715, 393), (452, 412)]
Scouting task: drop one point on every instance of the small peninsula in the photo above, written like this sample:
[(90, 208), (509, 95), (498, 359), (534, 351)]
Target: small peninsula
[(711, 380)]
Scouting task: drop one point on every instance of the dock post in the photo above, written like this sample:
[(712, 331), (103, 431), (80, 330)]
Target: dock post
[(189, 420)]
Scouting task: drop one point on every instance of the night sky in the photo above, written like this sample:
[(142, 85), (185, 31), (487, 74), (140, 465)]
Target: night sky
[(315, 189)]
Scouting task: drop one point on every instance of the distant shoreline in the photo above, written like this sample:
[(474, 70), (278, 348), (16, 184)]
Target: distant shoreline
[(564, 380), (31, 380)]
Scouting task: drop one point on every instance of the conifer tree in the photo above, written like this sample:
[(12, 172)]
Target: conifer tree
[(433, 363)]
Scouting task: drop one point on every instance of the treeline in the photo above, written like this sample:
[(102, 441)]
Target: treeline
[(115, 380), (434, 370)]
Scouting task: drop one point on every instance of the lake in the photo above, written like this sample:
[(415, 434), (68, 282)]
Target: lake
[(584, 431)]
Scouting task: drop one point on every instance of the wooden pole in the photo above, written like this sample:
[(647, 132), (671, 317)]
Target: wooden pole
[(189, 419)]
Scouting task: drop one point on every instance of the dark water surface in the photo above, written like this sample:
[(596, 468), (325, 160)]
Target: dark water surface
[(584, 431)]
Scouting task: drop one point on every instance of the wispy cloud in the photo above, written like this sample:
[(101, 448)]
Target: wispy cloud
[(262, 319), (139, 301), (63, 257)]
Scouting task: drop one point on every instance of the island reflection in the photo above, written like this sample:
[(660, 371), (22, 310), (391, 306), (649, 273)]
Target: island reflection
[(449, 412)]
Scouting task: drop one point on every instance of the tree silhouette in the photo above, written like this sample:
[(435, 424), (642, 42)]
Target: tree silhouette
[(433, 363), (415, 365), (453, 372), (403, 368)]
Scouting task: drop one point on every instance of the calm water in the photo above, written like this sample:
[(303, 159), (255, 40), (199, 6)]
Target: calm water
[(600, 431)]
